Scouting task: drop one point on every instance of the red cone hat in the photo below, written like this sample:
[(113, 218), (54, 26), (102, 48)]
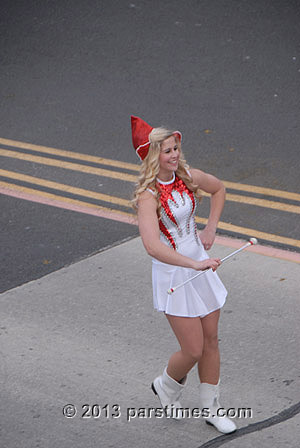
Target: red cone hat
[(140, 136)]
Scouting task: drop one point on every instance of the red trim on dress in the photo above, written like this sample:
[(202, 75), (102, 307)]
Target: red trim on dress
[(165, 191)]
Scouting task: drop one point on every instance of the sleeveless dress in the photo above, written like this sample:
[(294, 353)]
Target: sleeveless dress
[(178, 230)]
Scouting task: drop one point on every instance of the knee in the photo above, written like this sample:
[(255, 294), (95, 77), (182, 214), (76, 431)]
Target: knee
[(194, 353), (211, 342)]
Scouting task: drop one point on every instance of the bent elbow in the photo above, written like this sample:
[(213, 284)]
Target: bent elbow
[(222, 187), (150, 248), (221, 190), (224, 190), (150, 251)]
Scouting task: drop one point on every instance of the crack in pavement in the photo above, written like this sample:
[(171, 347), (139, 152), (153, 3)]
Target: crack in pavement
[(253, 427)]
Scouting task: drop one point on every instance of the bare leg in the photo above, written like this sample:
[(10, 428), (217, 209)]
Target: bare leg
[(209, 365), (209, 373), (188, 331)]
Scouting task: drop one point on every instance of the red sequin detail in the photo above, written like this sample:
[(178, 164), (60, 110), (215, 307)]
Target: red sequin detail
[(166, 195), (167, 234)]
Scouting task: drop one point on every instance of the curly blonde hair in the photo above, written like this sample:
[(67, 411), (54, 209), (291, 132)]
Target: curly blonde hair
[(150, 168)]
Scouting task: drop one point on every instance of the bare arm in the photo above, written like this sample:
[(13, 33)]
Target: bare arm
[(149, 231), (210, 184)]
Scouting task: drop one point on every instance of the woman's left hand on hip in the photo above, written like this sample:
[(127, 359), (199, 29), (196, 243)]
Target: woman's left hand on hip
[(207, 237)]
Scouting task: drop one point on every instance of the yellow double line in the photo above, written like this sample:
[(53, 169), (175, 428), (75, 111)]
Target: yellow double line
[(67, 165), (132, 178), (62, 187)]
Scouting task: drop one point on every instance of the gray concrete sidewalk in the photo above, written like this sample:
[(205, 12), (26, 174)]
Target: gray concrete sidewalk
[(88, 335)]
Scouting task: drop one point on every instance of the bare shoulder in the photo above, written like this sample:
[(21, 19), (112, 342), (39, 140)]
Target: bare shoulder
[(147, 200), (147, 195), (196, 175), (207, 182)]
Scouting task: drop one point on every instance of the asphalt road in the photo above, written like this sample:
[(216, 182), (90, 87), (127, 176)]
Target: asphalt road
[(226, 73)]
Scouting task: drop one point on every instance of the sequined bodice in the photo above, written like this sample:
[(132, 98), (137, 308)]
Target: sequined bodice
[(177, 222)]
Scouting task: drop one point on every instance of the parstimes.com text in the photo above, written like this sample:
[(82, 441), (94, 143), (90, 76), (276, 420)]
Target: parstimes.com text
[(188, 412)]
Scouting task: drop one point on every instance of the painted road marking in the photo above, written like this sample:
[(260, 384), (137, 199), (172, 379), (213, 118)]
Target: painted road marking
[(253, 232), (65, 188), (70, 154), (68, 165), (43, 197), (131, 178), (262, 190), (31, 194), (263, 203), (135, 167), (126, 203)]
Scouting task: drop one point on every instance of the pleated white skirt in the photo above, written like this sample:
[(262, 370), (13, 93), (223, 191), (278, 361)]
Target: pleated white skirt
[(199, 297)]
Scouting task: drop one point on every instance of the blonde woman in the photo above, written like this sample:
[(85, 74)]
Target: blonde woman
[(165, 200)]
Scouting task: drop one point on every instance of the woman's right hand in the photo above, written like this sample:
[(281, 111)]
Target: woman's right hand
[(212, 263)]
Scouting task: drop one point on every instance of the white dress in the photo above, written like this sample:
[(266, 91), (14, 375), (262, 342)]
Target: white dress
[(178, 230)]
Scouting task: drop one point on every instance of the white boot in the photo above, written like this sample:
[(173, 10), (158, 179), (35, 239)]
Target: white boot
[(168, 391), (209, 399)]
